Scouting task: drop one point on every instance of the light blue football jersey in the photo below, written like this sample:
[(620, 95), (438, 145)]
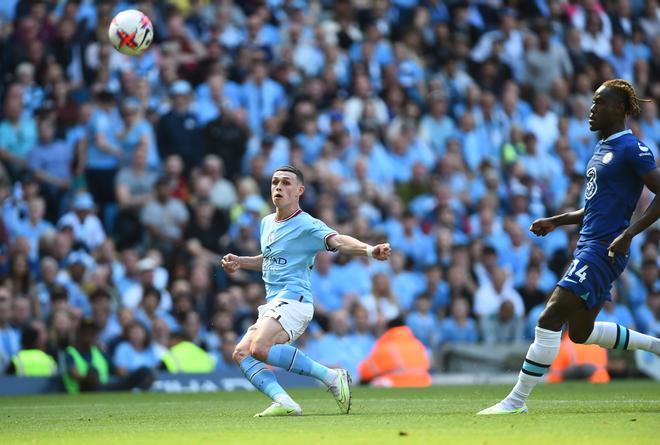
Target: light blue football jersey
[(289, 247)]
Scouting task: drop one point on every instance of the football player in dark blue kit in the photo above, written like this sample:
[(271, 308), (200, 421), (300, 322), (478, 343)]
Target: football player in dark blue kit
[(616, 174)]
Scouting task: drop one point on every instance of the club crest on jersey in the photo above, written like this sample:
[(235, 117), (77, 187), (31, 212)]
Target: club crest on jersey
[(608, 157)]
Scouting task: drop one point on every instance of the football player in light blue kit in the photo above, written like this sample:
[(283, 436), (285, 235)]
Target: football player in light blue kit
[(290, 239), (616, 174)]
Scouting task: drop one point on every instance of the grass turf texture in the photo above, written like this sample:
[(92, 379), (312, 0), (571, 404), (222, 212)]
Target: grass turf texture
[(574, 413)]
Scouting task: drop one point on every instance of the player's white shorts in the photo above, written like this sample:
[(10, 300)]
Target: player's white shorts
[(294, 316)]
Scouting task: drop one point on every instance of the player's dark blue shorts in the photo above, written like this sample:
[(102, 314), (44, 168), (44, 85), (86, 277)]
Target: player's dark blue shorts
[(592, 272)]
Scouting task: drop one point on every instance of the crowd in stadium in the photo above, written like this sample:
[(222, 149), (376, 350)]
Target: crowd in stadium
[(442, 127)]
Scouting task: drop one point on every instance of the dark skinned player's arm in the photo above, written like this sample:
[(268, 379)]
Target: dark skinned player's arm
[(566, 219), (652, 212)]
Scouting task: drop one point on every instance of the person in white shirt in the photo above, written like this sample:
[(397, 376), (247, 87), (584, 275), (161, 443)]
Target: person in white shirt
[(489, 297), (86, 226)]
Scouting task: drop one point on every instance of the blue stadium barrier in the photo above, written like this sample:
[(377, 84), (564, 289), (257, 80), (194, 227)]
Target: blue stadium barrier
[(165, 382)]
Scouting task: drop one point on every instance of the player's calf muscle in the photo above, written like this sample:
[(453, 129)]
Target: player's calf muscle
[(579, 334)]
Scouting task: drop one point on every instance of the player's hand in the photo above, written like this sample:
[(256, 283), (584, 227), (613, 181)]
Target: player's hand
[(620, 246), (542, 226), (230, 263), (382, 251)]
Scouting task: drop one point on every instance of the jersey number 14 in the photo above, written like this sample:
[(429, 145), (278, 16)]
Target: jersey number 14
[(580, 274)]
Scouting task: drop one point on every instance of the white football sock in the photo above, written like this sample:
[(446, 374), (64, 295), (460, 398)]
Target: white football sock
[(330, 377), (614, 336), (539, 357), (286, 400)]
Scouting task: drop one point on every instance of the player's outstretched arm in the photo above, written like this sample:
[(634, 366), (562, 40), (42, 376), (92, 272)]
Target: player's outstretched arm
[(350, 246), (621, 244), (231, 263), (543, 226)]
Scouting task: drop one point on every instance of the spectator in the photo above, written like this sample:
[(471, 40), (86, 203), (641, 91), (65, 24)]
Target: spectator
[(105, 320), (137, 134), (543, 123), (398, 359), (73, 280), (530, 292), (48, 270), (164, 218), (34, 227), (10, 338), (263, 98), (87, 228), (18, 132), (184, 356), (381, 303), (51, 160), (19, 277), (133, 187), (89, 369), (62, 324), (546, 61), (362, 96), (21, 312), (31, 360), (226, 137), (423, 323), (150, 312), (362, 337), (146, 268), (179, 132), (135, 353), (490, 296), (104, 154), (223, 194), (503, 327), (204, 232), (459, 327)]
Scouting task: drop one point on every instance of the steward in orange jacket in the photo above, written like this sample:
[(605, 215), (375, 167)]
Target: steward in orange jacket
[(397, 359), (577, 361)]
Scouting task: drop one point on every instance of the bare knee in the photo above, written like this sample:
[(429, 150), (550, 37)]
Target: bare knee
[(259, 350), (240, 353)]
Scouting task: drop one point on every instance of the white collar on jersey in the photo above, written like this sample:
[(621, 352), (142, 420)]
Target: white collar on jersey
[(616, 135)]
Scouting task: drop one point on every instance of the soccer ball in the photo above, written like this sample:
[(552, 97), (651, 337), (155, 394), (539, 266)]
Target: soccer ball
[(131, 32)]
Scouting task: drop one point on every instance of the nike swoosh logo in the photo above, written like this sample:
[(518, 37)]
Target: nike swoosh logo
[(642, 147)]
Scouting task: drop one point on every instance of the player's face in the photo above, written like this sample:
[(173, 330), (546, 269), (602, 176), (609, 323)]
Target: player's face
[(605, 110), (285, 189)]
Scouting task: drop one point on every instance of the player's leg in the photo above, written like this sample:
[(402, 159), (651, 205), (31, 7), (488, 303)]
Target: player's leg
[(583, 328), (285, 356), (260, 376), (292, 319), (560, 308)]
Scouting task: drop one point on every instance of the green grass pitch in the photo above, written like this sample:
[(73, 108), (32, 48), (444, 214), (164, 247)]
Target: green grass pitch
[(621, 413)]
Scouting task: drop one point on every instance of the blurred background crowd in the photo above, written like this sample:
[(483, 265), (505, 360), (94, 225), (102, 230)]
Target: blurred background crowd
[(443, 127)]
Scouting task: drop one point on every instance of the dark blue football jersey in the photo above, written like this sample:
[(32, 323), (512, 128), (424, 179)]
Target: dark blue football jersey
[(614, 185)]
